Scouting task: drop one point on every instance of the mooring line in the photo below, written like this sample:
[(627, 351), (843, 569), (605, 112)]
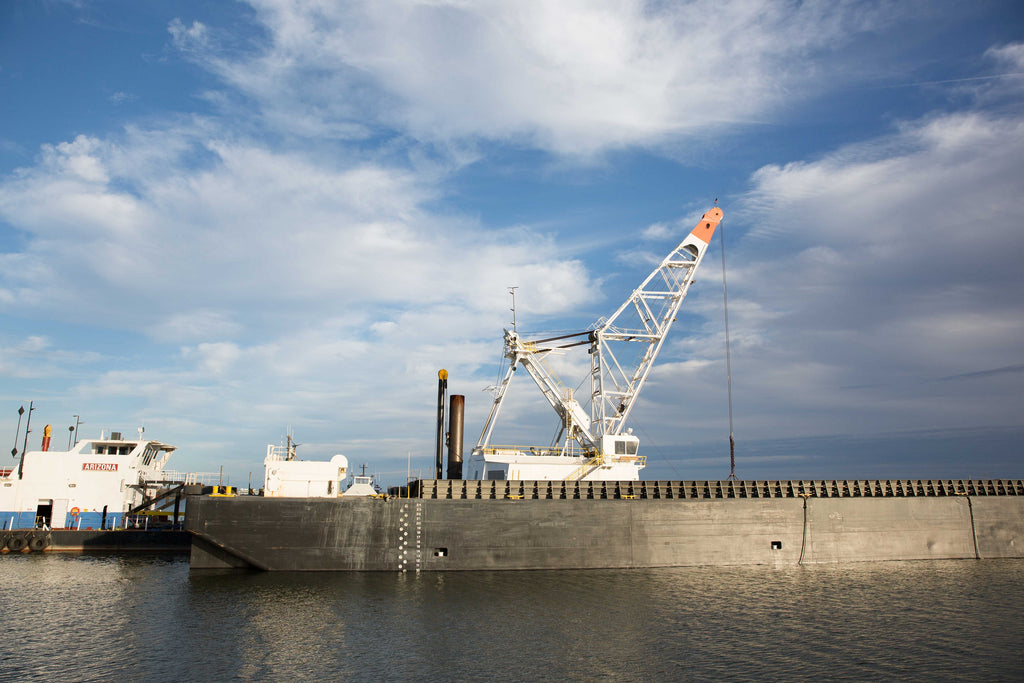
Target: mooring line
[(803, 541), (974, 531)]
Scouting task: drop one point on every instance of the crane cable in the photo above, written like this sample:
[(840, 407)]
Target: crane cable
[(728, 360)]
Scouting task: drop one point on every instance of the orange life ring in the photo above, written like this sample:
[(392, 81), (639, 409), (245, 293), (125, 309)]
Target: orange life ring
[(74, 512)]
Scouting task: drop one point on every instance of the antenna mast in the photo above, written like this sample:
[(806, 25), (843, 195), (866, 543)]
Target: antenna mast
[(512, 291)]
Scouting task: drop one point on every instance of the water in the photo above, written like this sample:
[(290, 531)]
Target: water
[(132, 618)]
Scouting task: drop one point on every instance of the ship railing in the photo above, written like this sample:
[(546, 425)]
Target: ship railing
[(574, 450), (151, 519), (189, 478)]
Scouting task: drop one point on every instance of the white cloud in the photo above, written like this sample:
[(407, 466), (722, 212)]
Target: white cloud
[(882, 268), (657, 231), (299, 290), (253, 229), (576, 77), (189, 38), (37, 357), (215, 358), (194, 325), (1010, 55)]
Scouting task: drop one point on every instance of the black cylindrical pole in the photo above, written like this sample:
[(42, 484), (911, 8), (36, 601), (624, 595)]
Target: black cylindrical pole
[(456, 419), (442, 390)]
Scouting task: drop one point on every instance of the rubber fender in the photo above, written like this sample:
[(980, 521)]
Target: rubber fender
[(16, 543), (39, 543)]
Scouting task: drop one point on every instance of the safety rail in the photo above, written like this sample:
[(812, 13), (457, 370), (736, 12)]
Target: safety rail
[(189, 478), (462, 489), (574, 451), (586, 468)]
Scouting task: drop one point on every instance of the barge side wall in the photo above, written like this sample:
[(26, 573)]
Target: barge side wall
[(411, 534)]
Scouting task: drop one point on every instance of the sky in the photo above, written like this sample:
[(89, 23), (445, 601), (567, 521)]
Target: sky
[(228, 221)]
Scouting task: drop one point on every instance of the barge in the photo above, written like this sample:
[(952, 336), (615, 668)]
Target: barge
[(446, 525), (579, 503)]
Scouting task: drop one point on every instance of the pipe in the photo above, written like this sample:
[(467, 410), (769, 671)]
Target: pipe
[(442, 390), (456, 415)]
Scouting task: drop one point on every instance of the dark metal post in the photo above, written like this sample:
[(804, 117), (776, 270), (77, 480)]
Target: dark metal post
[(28, 430), (442, 391), (14, 451), (456, 419)]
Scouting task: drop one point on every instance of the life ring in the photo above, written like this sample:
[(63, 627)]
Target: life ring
[(74, 512), (16, 544)]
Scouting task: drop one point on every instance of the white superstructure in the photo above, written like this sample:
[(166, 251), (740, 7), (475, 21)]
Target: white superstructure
[(92, 485), (286, 477)]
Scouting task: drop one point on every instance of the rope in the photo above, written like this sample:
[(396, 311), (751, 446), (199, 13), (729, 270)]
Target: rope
[(728, 359)]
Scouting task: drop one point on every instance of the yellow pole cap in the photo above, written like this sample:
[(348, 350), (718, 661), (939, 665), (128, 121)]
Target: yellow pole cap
[(442, 374)]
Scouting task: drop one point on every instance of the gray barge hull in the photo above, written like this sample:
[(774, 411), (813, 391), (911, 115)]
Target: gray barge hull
[(485, 525)]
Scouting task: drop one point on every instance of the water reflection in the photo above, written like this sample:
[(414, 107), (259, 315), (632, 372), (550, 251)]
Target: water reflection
[(135, 618)]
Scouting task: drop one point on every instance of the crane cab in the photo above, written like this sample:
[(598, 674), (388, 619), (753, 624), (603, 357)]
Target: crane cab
[(619, 445)]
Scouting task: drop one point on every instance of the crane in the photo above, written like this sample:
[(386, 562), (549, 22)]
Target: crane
[(622, 350)]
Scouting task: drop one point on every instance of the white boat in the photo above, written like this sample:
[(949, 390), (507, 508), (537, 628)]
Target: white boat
[(94, 485)]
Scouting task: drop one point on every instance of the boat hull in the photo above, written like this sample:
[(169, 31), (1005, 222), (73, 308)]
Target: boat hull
[(72, 540), (512, 532)]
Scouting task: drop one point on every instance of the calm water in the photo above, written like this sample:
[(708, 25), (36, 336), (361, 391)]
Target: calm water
[(74, 618)]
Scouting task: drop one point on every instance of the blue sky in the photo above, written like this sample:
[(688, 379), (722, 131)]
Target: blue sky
[(225, 220)]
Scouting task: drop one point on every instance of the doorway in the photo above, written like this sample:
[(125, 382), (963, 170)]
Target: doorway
[(44, 513)]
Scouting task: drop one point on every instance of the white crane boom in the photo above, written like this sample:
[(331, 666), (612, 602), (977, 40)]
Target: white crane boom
[(622, 350)]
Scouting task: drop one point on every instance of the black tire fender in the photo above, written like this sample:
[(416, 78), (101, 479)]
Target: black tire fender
[(16, 543)]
